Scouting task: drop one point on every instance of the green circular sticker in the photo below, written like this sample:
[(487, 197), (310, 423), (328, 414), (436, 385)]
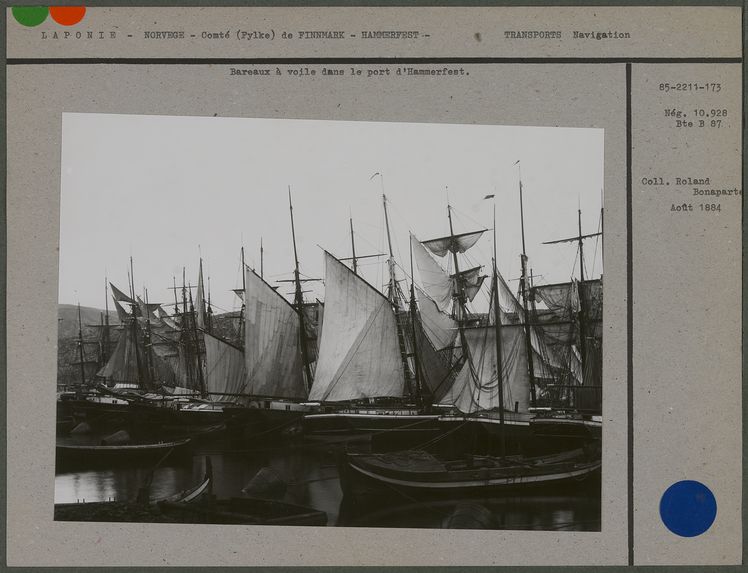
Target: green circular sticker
[(30, 15)]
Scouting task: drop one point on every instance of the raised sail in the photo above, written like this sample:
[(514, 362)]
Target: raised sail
[(434, 279), (440, 327), (272, 342), (569, 306), (225, 371), (440, 286), (119, 295), (453, 243), (122, 314), (359, 355), (435, 366), (476, 387), (471, 280), (128, 366)]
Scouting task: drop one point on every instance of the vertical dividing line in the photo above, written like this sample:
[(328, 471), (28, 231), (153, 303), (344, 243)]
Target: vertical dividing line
[(629, 319)]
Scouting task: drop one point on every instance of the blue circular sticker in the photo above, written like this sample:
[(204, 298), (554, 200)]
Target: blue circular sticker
[(688, 508)]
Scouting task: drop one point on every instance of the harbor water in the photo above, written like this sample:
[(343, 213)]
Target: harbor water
[(307, 474)]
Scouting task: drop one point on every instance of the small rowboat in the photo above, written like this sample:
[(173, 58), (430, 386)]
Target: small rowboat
[(123, 454), (243, 510), (421, 472), (140, 509), (195, 493)]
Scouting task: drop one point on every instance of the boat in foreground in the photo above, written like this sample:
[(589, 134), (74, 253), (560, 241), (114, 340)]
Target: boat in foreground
[(415, 471), (142, 508), (74, 454)]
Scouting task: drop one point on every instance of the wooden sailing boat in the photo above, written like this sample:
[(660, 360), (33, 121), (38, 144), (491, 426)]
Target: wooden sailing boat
[(130, 369), (156, 368), (493, 388), (197, 331), (531, 363), (369, 375), (488, 372), (572, 323), (278, 359)]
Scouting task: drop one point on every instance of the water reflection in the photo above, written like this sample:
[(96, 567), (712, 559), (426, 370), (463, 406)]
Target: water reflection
[(311, 479)]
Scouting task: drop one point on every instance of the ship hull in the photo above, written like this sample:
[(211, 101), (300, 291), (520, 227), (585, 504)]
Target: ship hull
[(266, 417), (421, 474), (332, 426), (68, 456), (173, 414), (520, 433)]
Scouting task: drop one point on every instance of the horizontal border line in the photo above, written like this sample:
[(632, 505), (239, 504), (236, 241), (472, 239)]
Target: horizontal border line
[(282, 61)]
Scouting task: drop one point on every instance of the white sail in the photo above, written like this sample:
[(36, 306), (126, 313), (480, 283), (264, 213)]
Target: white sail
[(272, 345), (225, 372), (476, 386), (126, 362), (471, 280), (454, 243), (359, 356), (440, 327), (440, 286), (435, 281)]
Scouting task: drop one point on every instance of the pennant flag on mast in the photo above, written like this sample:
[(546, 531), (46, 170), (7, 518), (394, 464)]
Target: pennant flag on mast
[(119, 295)]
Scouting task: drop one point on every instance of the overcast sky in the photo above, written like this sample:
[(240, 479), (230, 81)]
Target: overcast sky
[(165, 190)]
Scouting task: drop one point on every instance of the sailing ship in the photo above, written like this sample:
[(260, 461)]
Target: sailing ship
[(80, 387), (273, 375), (541, 359), (421, 473), (377, 370), (572, 325), (497, 370), (155, 373), (86, 455)]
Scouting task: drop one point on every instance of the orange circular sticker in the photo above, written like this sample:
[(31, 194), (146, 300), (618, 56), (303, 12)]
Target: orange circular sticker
[(67, 15)]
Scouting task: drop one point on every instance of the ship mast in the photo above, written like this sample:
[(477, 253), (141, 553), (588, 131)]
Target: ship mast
[(497, 326), (209, 314), (134, 305), (460, 294), (355, 258), (105, 335), (203, 393), (392, 290), (80, 346), (413, 318), (244, 295), (582, 310), (353, 248), (582, 314), (299, 300), (185, 337), (395, 302), (524, 289), (147, 347), (176, 302)]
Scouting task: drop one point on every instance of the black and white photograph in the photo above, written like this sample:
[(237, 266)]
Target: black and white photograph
[(329, 323)]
